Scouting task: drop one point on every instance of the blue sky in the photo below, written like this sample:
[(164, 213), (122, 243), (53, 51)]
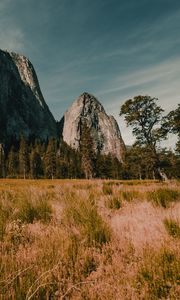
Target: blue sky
[(114, 49)]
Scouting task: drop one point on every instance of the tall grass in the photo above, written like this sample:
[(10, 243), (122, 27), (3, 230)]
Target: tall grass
[(58, 242), (159, 275), (83, 216), (173, 227), (163, 197)]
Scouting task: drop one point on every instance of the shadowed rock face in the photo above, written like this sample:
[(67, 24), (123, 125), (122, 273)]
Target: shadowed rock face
[(23, 109), (104, 129)]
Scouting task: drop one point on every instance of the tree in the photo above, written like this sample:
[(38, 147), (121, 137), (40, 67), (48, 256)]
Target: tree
[(172, 124), (23, 158), (35, 164), (145, 116), (50, 159), (87, 151), (2, 161), (12, 163)]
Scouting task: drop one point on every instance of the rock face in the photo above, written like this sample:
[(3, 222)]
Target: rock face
[(104, 129), (22, 106)]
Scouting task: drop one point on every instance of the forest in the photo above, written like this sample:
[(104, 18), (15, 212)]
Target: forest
[(145, 159)]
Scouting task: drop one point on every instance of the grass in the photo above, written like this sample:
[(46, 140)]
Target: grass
[(82, 239), (161, 276), (83, 215), (113, 202), (173, 227), (164, 197), (107, 189)]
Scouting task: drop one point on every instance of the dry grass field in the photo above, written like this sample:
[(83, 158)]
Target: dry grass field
[(78, 239)]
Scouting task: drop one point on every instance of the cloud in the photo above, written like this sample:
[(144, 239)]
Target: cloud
[(160, 81), (4, 4), (11, 35), (12, 39)]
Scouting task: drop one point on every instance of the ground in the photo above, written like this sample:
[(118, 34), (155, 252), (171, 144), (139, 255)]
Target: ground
[(89, 239)]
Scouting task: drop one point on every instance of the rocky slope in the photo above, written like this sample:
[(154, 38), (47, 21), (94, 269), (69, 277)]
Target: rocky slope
[(22, 106), (104, 129)]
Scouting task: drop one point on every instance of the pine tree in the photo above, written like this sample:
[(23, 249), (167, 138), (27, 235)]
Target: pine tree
[(50, 159), (87, 151), (23, 158), (35, 164), (2, 161), (12, 163)]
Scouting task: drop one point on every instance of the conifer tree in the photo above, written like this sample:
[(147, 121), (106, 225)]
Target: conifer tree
[(35, 164), (50, 159), (12, 163), (2, 161), (23, 158), (87, 151)]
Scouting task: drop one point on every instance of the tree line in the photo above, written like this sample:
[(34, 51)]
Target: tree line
[(55, 159), (145, 159)]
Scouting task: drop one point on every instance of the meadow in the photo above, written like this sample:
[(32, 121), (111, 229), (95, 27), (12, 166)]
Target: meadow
[(89, 239)]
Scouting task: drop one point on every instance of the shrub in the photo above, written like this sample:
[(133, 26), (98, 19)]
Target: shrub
[(163, 197), (172, 227)]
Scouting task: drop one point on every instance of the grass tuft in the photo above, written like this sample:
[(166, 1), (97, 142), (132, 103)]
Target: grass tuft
[(113, 202), (107, 189), (163, 197), (29, 210), (173, 227), (83, 215)]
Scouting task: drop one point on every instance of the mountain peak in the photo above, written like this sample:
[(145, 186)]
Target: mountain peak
[(23, 108), (104, 129)]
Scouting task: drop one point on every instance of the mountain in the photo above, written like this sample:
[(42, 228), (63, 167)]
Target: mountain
[(104, 129), (22, 107)]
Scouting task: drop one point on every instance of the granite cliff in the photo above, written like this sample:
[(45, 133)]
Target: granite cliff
[(104, 129), (23, 111), (22, 106)]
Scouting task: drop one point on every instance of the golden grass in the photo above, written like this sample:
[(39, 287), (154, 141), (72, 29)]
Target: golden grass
[(88, 239)]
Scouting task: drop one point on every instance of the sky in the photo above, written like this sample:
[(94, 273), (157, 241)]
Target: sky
[(113, 49)]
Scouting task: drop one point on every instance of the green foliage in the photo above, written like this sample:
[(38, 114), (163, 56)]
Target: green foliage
[(143, 114), (140, 163), (172, 124), (163, 197), (173, 227)]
